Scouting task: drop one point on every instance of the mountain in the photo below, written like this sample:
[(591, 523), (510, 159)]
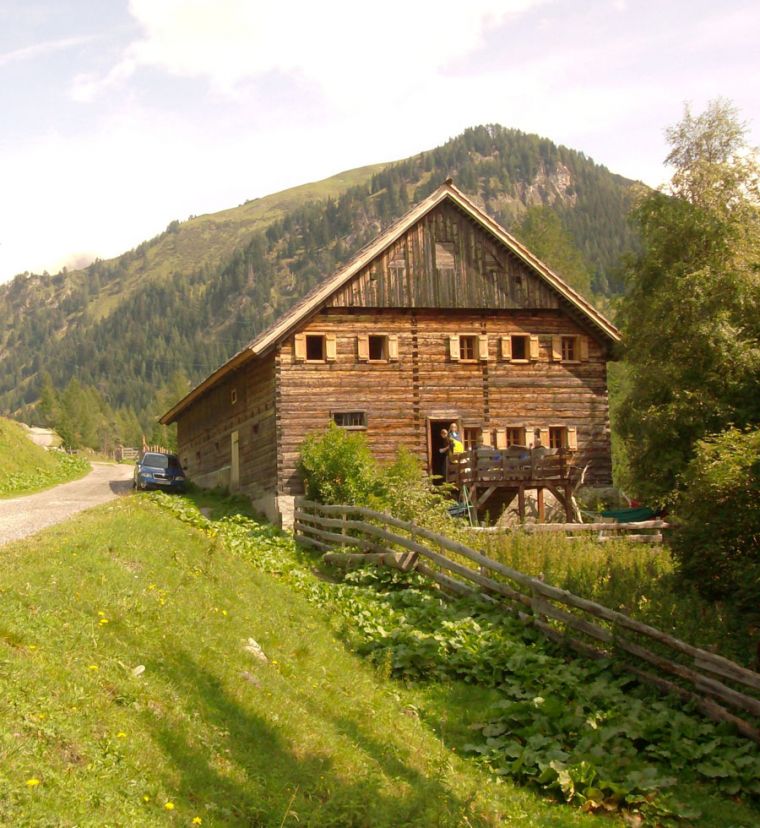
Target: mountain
[(180, 304)]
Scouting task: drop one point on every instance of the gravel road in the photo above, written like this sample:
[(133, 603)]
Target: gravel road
[(24, 516)]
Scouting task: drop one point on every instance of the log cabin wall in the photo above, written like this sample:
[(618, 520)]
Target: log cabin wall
[(399, 396), (244, 403)]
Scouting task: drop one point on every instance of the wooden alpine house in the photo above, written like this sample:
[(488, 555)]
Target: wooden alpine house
[(444, 318)]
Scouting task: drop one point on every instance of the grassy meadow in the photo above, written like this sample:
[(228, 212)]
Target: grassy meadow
[(128, 697), (26, 468)]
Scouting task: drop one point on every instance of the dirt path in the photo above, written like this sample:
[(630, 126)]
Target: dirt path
[(24, 516)]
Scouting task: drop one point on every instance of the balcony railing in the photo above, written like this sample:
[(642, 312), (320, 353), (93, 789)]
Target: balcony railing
[(513, 466)]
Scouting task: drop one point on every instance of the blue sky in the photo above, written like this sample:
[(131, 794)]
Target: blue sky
[(118, 117)]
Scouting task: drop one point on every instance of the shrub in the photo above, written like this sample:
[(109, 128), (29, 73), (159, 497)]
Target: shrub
[(718, 544), (407, 492), (338, 467)]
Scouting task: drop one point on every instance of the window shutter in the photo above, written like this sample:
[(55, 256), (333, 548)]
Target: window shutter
[(557, 348), (487, 438), (530, 436), (393, 348), (300, 347), (483, 347), (545, 437), (506, 348), (454, 347), (534, 348), (331, 348), (583, 348), (572, 438), (362, 344), (501, 438)]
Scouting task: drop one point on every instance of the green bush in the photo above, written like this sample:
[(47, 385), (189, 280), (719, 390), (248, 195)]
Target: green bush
[(338, 467), (718, 543)]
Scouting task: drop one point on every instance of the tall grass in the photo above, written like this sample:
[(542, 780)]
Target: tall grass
[(640, 581)]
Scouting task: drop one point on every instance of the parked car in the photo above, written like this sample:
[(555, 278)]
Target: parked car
[(155, 470)]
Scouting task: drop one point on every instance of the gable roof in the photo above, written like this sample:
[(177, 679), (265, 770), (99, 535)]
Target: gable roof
[(315, 299)]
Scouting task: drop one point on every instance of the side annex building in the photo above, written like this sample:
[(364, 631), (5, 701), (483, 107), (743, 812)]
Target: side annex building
[(444, 317)]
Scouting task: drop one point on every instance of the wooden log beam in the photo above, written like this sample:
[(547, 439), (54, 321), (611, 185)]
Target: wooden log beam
[(596, 527), (482, 499), (451, 584), (403, 561)]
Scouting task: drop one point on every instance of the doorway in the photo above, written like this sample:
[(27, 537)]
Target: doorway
[(437, 457)]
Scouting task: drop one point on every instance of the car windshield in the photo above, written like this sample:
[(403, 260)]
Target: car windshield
[(160, 461)]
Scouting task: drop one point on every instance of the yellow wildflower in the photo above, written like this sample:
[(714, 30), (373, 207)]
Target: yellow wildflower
[(93, 667), (146, 798), (197, 821), (103, 621), (101, 613), (169, 806), (32, 783), (121, 735)]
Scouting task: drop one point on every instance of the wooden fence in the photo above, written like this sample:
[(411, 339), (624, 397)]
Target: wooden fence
[(644, 531), (712, 682)]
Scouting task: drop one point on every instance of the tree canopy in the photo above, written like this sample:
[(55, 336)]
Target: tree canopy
[(691, 316)]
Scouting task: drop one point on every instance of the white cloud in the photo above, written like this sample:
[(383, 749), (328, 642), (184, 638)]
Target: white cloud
[(348, 49)]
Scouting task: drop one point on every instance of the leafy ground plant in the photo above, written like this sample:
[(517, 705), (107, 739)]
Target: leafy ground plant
[(576, 729)]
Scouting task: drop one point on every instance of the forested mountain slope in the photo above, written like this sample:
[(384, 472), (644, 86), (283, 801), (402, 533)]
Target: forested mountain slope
[(188, 299)]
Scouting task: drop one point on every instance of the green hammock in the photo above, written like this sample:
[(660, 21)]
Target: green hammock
[(631, 514)]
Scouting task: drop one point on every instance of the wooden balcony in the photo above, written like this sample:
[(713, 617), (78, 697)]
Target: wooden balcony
[(492, 478)]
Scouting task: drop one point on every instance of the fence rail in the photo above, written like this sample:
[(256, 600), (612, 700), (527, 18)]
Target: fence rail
[(713, 683)]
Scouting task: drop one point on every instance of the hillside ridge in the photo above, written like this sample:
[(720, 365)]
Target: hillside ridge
[(183, 302)]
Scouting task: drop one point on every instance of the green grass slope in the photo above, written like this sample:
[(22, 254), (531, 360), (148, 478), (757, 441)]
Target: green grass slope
[(128, 697), (27, 468)]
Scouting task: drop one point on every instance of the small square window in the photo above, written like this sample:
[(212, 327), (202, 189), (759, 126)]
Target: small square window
[(515, 437), (557, 437), (315, 347), (378, 348), (520, 347), (472, 438), (233, 396), (569, 349), (350, 419), (468, 347)]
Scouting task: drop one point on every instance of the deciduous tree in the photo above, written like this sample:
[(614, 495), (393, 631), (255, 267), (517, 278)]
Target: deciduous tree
[(692, 314)]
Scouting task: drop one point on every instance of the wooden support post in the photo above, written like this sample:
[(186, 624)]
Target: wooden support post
[(540, 498), (521, 502), (569, 502)]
